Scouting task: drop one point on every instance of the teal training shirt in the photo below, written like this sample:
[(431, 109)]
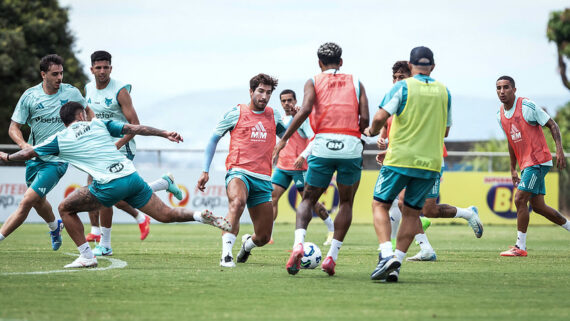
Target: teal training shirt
[(40, 111), (90, 148)]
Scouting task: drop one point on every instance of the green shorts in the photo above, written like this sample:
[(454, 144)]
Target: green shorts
[(258, 190), (43, 176), (390, 183), (284, 177), (532, 179), (434, 191), (132, 189), (321, 171)]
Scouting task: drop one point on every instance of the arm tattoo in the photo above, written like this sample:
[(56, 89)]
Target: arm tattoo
[(142, 130)]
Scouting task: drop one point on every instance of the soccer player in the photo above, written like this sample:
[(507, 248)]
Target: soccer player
[(88, 146), (286, 169), (420, 106), (39, 108), (253, 129), (522, 123), (338, 107), (110, 99), (431, 209)]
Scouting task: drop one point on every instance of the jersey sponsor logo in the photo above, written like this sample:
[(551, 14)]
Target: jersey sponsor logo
[(63, 101), (422, 162), (108, 101), (515, 133), (40, 106), (337, 84), (258, 133), (48, 120), (104, 115), (115, 168), (334, 145)]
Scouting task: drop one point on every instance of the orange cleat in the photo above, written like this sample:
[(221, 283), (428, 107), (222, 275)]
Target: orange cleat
[(328, 265), (271, 241), (294, 263), (93, 238), (145, 228), (514, 251)]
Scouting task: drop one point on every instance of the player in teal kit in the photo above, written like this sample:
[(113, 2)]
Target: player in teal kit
[(39, 108), (110, 100), (88, 146)]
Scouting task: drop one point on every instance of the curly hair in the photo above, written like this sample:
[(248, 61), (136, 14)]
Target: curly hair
[(262, 79), (401, 66), (329, 53)]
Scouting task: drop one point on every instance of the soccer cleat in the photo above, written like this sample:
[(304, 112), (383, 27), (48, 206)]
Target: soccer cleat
[(93, 237), (227, 261), (329, 238), (145, 227), (217, 221), (102, 251), (385, 266), (425, 222), (328, 265), (172, 187), (393, 276), (294, 263), (514, 251), (56, 236), (243, 255), (423, 256), (82, 262), (271, 241), (475, 222)]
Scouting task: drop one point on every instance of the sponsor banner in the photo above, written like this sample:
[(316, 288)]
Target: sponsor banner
[(13, 187), (492, 193)]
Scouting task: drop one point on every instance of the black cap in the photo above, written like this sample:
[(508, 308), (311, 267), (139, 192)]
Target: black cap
[(421, 56)]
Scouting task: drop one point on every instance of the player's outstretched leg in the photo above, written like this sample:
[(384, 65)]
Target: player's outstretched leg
[(166, 183), (262, 219)]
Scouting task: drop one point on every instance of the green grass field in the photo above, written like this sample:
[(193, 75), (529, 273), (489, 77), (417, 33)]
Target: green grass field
[(174, 275)]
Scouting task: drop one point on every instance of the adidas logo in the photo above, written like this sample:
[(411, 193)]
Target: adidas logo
[(258, 133), (42, 189), (515, 133), (298, 182), (521, 184)]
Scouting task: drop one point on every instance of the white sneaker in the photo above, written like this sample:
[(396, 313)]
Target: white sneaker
[(423, 256), (217, 221), (227, 261), (379, 248), (82, 262), (475, 222)]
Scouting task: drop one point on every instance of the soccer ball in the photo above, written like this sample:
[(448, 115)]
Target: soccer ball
[(312, 256)]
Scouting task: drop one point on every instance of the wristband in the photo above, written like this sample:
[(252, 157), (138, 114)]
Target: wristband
[(8, 157)]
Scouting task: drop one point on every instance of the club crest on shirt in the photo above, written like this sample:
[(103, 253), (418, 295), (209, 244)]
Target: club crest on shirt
[(108, 101)]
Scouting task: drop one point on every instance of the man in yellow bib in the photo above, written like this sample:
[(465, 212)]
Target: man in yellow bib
[(421, 109)]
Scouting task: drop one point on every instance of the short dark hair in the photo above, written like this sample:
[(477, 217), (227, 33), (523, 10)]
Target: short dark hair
[(68, 111), (262, 79), (401, 66), (49, 60), (100, 55), (329, 53), (510, 79), (288, 91)]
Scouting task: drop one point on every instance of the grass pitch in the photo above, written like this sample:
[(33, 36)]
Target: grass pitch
[(174, 275)]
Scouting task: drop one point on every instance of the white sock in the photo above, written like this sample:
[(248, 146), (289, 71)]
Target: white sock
[(249, 245), (299, 236), (2, 237), (272, 229), (386, 249), (400, 255), (463, 213), (95, 230), (335, 247), (105, 237), (52, 225), (85, 251), (198, 217), (565, 225), (329, 223), (159, 185), (424, 243), (140, 218), (395, 217), (228, 241), (521, 240)]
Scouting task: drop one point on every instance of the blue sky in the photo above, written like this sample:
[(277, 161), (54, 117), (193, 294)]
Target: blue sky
[(170, 49)]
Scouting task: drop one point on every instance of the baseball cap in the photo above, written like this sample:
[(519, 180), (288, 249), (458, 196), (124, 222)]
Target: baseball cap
[(421, 56)]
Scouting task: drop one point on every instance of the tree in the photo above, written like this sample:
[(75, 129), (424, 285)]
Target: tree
[(558, 31), (481, 164), (29, 30)]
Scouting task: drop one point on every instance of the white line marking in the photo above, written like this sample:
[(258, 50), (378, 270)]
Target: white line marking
[(115, 264)]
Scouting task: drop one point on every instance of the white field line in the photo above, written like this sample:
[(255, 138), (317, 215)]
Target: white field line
[(115, 264)]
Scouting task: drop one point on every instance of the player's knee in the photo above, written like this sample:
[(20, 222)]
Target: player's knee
[(262, 239), (521, 199), (237, 204)]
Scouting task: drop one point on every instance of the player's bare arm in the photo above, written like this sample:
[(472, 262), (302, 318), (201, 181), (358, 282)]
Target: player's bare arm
[(151, 131), (363, 109), (204, 178), (514, 173), (90, 113), (22, 155), (555, 131), (15, 133), (126, 103), (377, 123)]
